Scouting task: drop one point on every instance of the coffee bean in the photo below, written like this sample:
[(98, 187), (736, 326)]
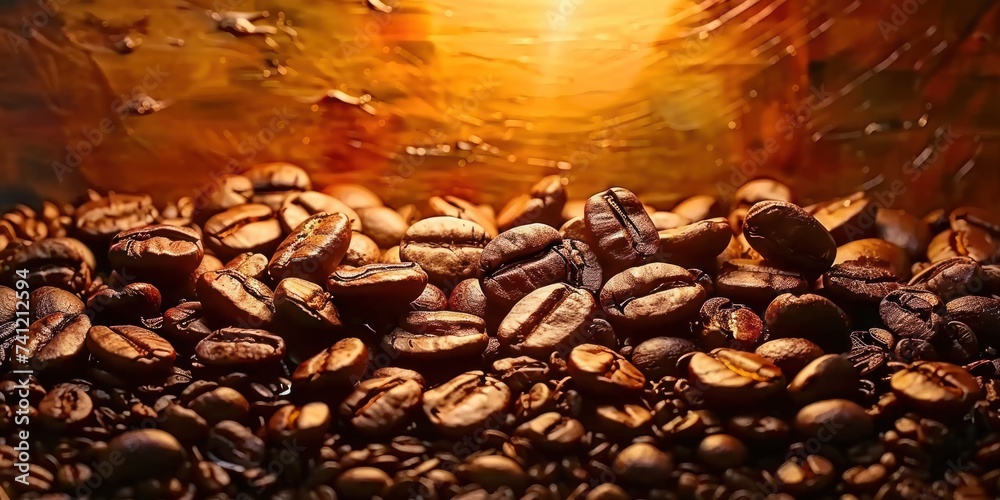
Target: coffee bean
[(759, 190), (727, 376), (554, 317), (805, 475), (870, 350), (298, 207), (694, 244), (452, 206), (362, 483), (145, 453), (951, 278), (936, 388), (66, 407), (446, 248), (848, 218), (243, 228), (127, 305), (575, 229), (980, 314), (725, 324), (382, 404), (60, 262), (100, 219), (642, 464), (543, 204), (787, 234), (860, 282), (602, 371), (383, 225), (722, 451), (657, 357), (313, 250), (520, 260), (157, 249), (552, 432), (669, 220), (977, 233), (811, 316), (622, 420), (465, 403), (875, 252), (273, 182), (790, 354), (234, 298), (305, 305), (958, 343), (54, 343), (827, 377), (130, 349), (494, 472), (220, 404), (231, 442), (903, 230), (520, 373), (339, 366), (910, 350), (838, 420), (625, 235), (699, 207), (299, 424), (437, 335), (48, 299), (757, 283), (430, 299), (186, 323), (468, 297), (228, 191), (391, 285), (250, 264), (651, 296), (361, 252), (240, 346), (912, 313)]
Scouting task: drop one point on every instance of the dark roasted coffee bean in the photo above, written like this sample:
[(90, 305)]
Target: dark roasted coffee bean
[(722, 451), (361, 252), (520, 260), (602, 371), (446, 248), (298, 207), (543, 204), (221, 403), (299, 424), (127, 305), (54, 343), (663, 221), (951, 278), (657, 357), (382, 404), (957, 343), (465, 403), (250, 264), (145, 453), (130, 349), (552, 432), (790, 354), (66, 407), (48, 299), (848, 219), (860, 282), (494, 472), (839, 420), (912, 313), (520, 373), (453, 206), (231, 442), (437, 335), (100, 219), (622, 230), (10, 321), (788, 235), (811, 316), (273, 182), (643, 465), (186, 323), (468, 297), (805, 475), (759, 190), (338, 367), (60, 262), (239, 347), (936, 388), (870, 350), (981, 314), (726, 377), (651, 296), (552, 318), (694, 244), (157, 249), (622, 419), (228, 191), (244, 228), (910, 350), (699, 207), (360, 483), (725, 324), (761, 430), (305, 305), (575, 229), (236, 299), (757, 283), (388, 285), (383, 225), (431, 299), (827, 377), (976, 233), (875, 252), (313, 250)]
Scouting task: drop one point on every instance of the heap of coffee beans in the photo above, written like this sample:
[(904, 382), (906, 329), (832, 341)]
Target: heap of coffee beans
[(274, 339)]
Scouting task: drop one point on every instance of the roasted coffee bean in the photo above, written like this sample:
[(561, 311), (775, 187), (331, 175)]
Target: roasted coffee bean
[(468, 297), (465, 403), (757, 283), (760, 430), (602, 371), (60, 262), (361, 252), (827, 377), (388, 285), (552, 318), (190, 282), (790, 354), (543, 204), (306, 305), (431, 299), (643, 465), (236, 299), (54, 343), (361, 483), (976, 233), (383, 225), (299, 424), (243, 228), (298, 207), (233, 443), (951, 278), (936, 388), (722, 451), (494, 472), (313, 250), (811, 316), (222, 403), (727, 377), (699, 207), (657, 357), (273, 182), (240, 346), (66, 407), (186, 323), (839, 420), (552, 432), (622, 230), (848, 219), (805, 475), (759, 190), (981, 314), (652, 295), (228, 191), (130, 349), (957, 343), (910, 350), (156, 249), (860, 282), (355, 196), (446, 248), (520, 373), (912, 313), (788, 235), (694, 244), (382, 404), (145, 453), (875, 251), (575, 229), (338, 367), (725, 324), (131, 303), (100, 219), (452, 206), (903, 230), (622, 420), (437, 335), (870, 350), (47, 300), (250, 264), (669, 220)]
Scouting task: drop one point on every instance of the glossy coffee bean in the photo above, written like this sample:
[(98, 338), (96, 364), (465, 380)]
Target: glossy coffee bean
[(313, 250), (552, 432), (643, 464), (446, 248), (695, 243), (431, 298), (130, 349), (651, 295), (231, 347), (250, 264), (657, 357), (144, 453), (602, 371), (759, 190), (233, 298), (389, 285), (912, 313), (875, 252), (788, 235), (302, 424), (860, 282), (465, 403), (127, 305), (870, 350), (305, 305), (186, 323), (951, 278), (361, 252), (298, 207), (221, 403), (100, 219), (936, 388), (338, 367), (727, 377), (976, 232), (468, 297), (543, 204), (60, 262), (48, 299), (839, 420), (757, 283), (55, 343), (437, 335), (790, 354), (811, 316), (848, 218), (552, 318), (234, 443), (805, 475), (156, 249), (725, 324), (66, 407), (228, 191), (453, 206), (980, 314), (243, 228), (382, 404), (273, 182), (355, 196), (621, 229), (383, 225), (827, 377), (903, 230)]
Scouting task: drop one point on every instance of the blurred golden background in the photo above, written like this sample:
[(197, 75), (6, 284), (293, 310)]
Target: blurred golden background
[(481, 98)]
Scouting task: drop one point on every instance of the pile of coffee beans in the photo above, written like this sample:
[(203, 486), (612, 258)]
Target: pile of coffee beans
[(272, 339)]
